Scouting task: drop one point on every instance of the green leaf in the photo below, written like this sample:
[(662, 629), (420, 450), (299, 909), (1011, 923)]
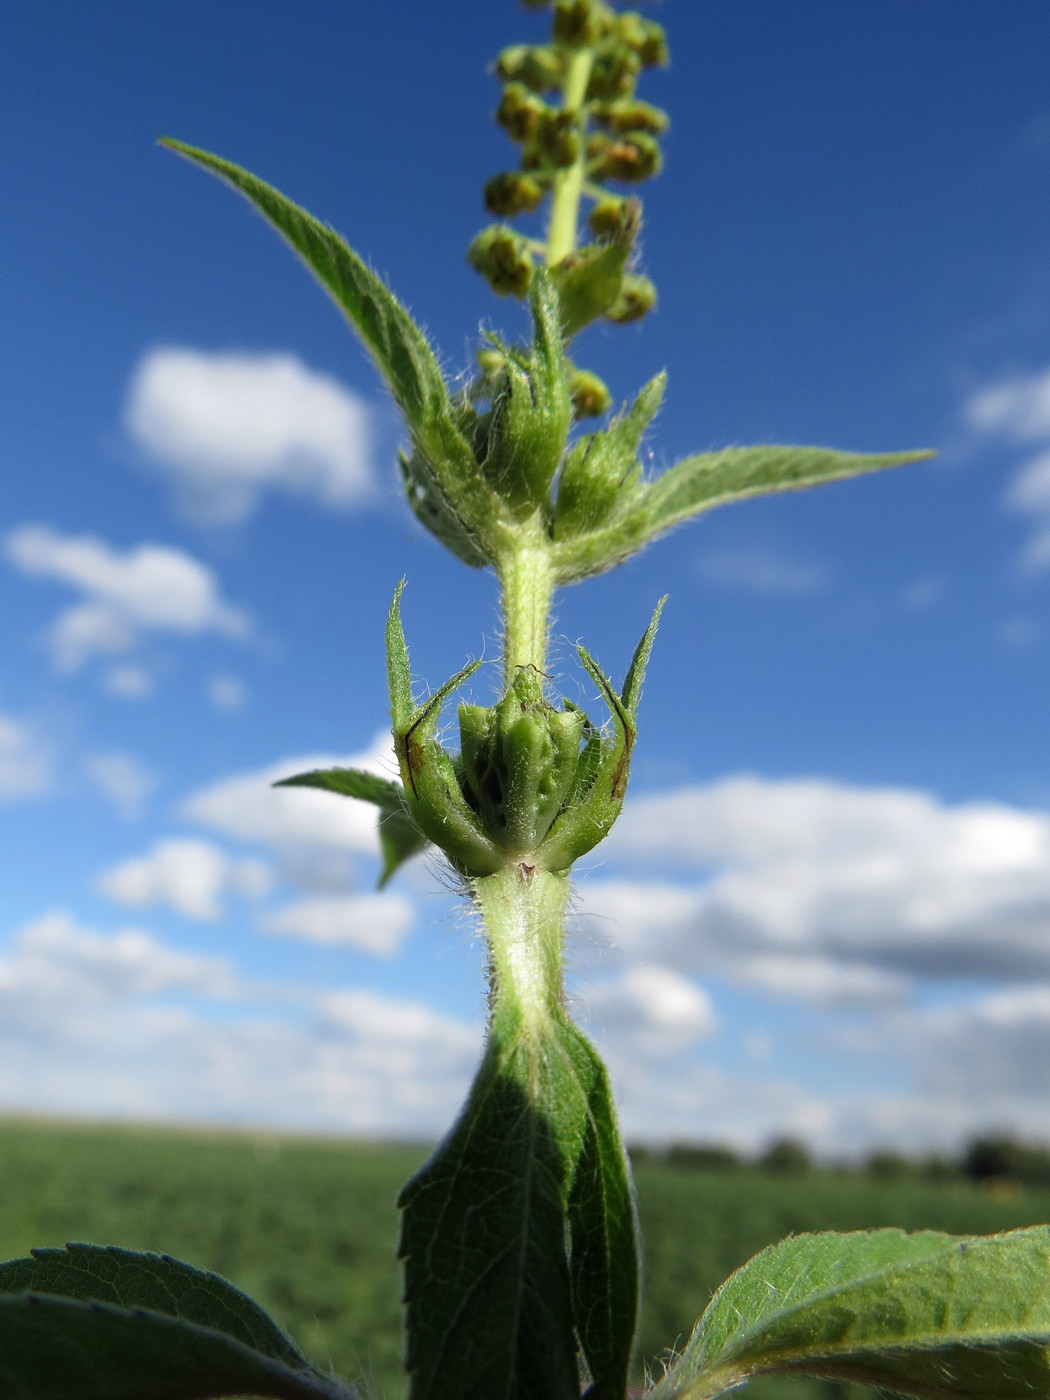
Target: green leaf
[(490, 1292), (89, 1323), (702, 482), (444, 468), (399, 837), (928, 1315)]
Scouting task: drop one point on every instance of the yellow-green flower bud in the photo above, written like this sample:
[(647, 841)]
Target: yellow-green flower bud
[(614, 74), (579, 23), (653, 50), (608, 217), (537, 66), (503, 259), (590, 395), (520, 112), (637, 298), (558, 140), (627, 115), (634, 158), (512, 193)]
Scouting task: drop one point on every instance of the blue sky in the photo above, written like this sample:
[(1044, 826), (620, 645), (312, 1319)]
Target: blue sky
[(827, 908)]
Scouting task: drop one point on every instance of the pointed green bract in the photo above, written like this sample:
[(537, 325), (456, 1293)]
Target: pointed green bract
[(399, 837), (699, 483), (928, 1315), (445, 469)]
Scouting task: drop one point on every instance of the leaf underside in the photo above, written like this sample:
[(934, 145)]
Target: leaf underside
[(94, 1323), (928, 1315), (491, 1295)]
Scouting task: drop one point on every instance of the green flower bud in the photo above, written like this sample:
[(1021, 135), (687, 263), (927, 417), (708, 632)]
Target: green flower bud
[(627, 115), (613, 75), (518, 763), (512, 193), (635, 158), (520, 112), (537, 66), (637, 298), (609, 217), (579, 23), (653, 50), (490, 361), (590, 395), (503, 259), (558, 139)]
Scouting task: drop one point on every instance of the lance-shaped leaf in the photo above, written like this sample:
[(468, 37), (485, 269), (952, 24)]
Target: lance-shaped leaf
[(444, 465), (112, 1324), (491, 1294), (711, 479), (590, 279), (590, 812), (928, 1315), (399, 837), (432, 792)]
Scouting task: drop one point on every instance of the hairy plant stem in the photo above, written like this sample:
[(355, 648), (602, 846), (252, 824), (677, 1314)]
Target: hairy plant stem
[(568, 183), (523, 907), (527, 586)]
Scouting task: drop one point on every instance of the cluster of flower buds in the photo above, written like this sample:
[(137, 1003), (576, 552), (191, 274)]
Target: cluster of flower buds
[(605, 135), (532, 785)]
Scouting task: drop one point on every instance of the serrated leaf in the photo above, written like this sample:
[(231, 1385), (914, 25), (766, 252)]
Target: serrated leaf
[(489, 1289), (447, 469), (129, 1278), (928, 1315), (55, 1348), (702, 482), (399, 837)]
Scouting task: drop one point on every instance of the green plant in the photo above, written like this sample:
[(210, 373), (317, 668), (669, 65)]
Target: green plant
[(519, 1236)]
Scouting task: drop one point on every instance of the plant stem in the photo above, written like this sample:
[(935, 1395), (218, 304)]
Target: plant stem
[(523, 908), (527, 586), (568, 183)]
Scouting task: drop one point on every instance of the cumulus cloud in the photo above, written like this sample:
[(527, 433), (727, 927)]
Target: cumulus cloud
[(123, 779), (761, 571), (226, 427), (650, 1010), (226, 692), (247, 807), (150, 588), (1018, 411), (122, 1025), (188, 875), (128, 682), (830, 892), (375, 923), (25, 761)]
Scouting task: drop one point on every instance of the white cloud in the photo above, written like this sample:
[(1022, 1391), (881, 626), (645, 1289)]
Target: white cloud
[(649, 1009), (226, 427), (226, 692), (830, 892), (148, 588), (190, 876), (375, 923), (761, 571), (129, 682), (1018, 410), (120, 1025), (25, 761), (247, 807), (123, 779)]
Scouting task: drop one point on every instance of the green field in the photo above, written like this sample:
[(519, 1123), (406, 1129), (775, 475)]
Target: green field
[(308, 1226)]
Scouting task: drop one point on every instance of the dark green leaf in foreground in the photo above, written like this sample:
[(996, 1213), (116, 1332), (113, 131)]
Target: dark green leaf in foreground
[(399, 837), (443, 469), (534, 1158), (707, 480), (930, 1315), (88, 1323)]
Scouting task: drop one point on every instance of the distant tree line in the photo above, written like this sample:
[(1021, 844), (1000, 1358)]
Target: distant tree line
[(983, 1160)]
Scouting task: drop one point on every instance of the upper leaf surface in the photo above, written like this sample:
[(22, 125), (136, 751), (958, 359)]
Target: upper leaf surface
[(60, 1348), (928, 1315), (129, 1279), (396, 343)]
